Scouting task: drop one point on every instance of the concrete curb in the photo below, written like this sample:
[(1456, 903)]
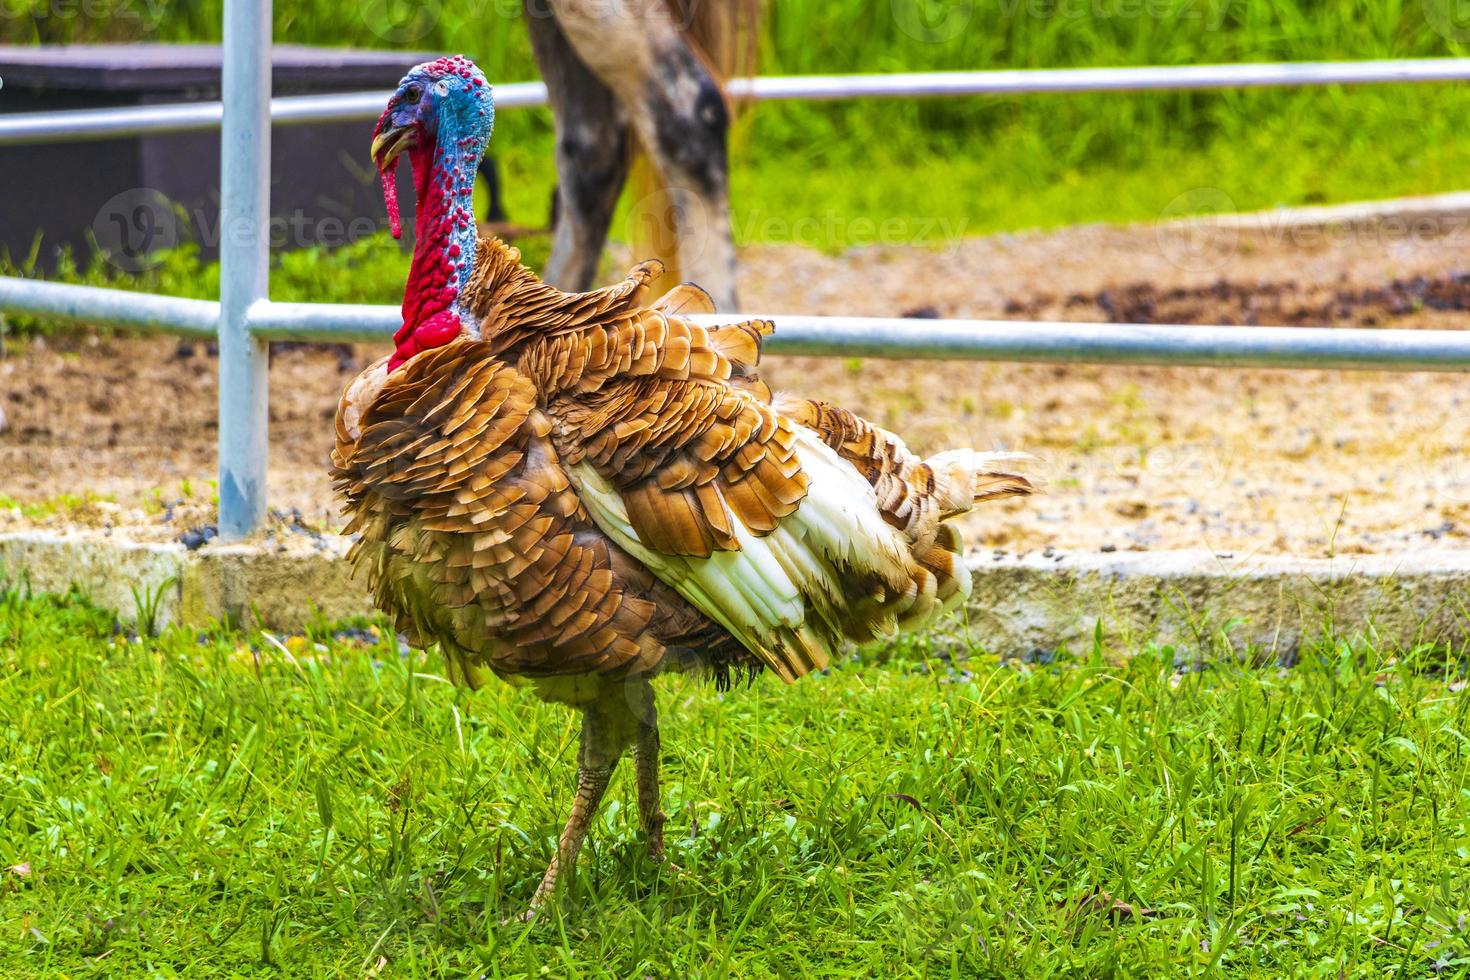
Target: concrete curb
[(1199, 600), (1424, 214), (236, 583), (1193, 599)]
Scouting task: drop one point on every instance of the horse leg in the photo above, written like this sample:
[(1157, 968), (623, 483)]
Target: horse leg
[(489, 174), (676, 109), (591, 153)]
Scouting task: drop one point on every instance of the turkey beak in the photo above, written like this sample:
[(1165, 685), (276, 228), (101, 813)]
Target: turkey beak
[(389, 142)]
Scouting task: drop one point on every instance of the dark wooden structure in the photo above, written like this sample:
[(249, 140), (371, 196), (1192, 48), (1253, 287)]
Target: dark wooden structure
[(132, 195)]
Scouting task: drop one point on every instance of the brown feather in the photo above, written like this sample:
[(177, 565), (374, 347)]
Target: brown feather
[(456, 472)]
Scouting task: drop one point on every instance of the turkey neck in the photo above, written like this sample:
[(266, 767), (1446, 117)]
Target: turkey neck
[(444, 245)]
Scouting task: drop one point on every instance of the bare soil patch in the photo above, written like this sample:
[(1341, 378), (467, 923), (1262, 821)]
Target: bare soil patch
[(118, 432)]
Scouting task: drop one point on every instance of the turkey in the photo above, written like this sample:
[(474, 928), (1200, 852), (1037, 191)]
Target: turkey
[(578, 492)]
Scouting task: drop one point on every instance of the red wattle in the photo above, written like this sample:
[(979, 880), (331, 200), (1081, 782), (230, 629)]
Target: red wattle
[(399, 356), (429, 319), (437, 330), (389, 177)]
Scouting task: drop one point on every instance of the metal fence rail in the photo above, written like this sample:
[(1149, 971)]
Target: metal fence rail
[(75, 125), (295, 110), (828, 336), (245, 319)]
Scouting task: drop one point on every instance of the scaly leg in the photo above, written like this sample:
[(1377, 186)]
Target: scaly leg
[(638, 696), (650, 815), (602, 746)]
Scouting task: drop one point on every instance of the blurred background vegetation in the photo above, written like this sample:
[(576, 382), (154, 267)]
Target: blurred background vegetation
[(949, 167)]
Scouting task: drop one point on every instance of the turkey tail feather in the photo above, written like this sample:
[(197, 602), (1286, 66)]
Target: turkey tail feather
[(966, 477)]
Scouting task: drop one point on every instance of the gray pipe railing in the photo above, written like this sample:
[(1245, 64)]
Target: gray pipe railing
[(109, 307), (244, 266), (840, 336), (73, 125), (993, 340), (295, 110)]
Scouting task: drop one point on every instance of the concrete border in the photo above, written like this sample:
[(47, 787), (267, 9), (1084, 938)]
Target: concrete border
[(1194, 599), (1426, 209), (1199, 600), (240, 583)]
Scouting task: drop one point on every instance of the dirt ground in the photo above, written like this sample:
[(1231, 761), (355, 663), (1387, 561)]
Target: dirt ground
[(118, 432)]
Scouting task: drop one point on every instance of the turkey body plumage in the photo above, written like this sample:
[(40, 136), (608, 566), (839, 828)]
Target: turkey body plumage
[(581, 491), (594, 492)]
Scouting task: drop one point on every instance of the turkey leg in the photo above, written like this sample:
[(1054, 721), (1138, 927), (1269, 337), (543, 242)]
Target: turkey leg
[(602, 746), (650, 815)]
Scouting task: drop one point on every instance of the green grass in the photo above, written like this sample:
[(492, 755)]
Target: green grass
[(212, 803), (61, 505)]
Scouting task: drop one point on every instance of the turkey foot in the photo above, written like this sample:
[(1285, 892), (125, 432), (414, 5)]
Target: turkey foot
[(650, 815)]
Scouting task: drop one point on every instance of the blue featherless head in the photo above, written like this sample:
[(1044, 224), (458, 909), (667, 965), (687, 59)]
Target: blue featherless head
[(446, 103), (443, 108)]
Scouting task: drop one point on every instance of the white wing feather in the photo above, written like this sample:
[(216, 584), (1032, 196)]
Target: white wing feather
[(766, 593)]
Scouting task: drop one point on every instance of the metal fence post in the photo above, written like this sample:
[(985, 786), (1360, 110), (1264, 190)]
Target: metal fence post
[(245, 153)]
